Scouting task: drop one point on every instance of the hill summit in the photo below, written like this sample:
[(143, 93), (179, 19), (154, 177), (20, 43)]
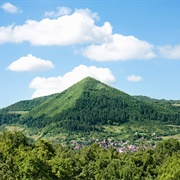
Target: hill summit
[(80, 96), (90, 103)]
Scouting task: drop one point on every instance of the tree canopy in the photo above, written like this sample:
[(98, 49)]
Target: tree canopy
[(20, 159)]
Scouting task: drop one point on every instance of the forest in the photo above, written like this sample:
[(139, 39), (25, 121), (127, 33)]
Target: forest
[(23, 159)]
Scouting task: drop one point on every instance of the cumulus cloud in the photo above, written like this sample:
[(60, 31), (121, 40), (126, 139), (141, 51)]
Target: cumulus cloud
[(170, 52), (121, 48), (10, 8), (76, 28), (30, 63), (46, 86), (134, 78), (60, 12)]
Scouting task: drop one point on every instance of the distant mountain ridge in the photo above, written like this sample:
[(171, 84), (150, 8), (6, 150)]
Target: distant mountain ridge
[(25, 105)]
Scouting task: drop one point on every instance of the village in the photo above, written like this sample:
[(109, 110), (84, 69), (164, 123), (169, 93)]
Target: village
[(120, 146)]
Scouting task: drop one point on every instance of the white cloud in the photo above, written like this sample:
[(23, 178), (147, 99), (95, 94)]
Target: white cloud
[(134, 78), (46, 86), (6, 34), (170, 52), (121, 48), (10, 8), (76, 28), (30, 63), (60, 12)]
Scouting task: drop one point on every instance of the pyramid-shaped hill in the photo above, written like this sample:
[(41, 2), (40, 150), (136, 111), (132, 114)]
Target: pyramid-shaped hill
[(85, 94), (89, 103), (68, 98)]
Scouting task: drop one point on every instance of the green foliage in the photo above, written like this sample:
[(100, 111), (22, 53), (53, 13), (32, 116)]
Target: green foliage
[(170, 169), (25, 105), (21, 160), (168, 104), (9, 118), (168, 147)]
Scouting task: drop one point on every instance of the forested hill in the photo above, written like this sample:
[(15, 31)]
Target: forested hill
[(89, 103), (170, 104), (85, 106), (25, 105)]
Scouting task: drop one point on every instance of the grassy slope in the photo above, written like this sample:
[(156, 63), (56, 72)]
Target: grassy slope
[(59, 102)]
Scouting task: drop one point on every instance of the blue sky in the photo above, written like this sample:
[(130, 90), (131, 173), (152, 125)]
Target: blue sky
[(47, 46)]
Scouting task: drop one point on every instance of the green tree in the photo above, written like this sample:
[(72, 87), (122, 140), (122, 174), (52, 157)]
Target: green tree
[(170, 169)]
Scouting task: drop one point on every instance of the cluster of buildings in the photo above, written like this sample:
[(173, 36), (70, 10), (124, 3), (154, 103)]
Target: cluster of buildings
[(121, 147)]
